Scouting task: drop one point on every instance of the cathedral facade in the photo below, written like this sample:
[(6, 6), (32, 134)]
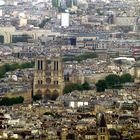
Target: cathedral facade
[(48, 77)]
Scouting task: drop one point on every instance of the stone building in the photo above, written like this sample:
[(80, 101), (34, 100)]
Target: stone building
[(48, 77), (102, 127)]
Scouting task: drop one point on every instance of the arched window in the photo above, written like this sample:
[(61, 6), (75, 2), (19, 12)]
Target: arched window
[(47, 94), (39, 91)]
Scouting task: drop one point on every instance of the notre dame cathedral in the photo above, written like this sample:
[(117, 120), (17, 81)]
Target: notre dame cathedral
[(48, 77)]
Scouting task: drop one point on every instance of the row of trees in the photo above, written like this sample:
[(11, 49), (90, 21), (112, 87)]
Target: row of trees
[(39, 96), (11, 67), (113, 81), (80, 57), (11, 101), (80, 87)]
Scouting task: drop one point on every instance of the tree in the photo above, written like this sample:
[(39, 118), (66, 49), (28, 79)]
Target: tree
[(2, 71), (101, 85), (86, 86), (43, 23), (27, 65), (7, 67), (11, 101), (37, 97), (126, 78), (76, 86), (71, 87), (112, 80), (11, 67), (20, 99), (80, 58)]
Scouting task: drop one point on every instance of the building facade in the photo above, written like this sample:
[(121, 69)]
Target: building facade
[(48, 77)]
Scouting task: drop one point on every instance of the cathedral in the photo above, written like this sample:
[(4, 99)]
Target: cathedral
[(48, 77)]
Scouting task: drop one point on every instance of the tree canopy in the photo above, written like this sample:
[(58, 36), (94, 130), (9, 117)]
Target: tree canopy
[(126, 78), (74, 86), (101, 85), (11, 67), (113, 81), (11, 101), (37, 97), (80, 58), (43, 23)]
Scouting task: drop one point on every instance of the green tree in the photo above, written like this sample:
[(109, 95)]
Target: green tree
[(112, 80), (11, 67), (37, 97), (76, 86), (2, 71), (86, 86), (27, 65), (101, 85), (7, 67), (126, 78), (14, 67), (43, 23), (20, 99), (80, 58), (11, 101), (71, 87)]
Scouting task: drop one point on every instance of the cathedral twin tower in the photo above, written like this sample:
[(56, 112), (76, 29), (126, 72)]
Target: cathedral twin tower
[(48, 77)]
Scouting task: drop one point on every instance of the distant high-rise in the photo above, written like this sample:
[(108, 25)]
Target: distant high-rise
[(65, 20)]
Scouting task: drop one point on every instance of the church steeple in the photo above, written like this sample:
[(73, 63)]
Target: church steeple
[(102, 127)]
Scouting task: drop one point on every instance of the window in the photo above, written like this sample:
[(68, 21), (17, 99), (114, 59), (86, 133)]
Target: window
[(55, 65), (40, 82), (39, 64), (102, 137), (66, 77), (55, 82), (48, 80), (101, 130)]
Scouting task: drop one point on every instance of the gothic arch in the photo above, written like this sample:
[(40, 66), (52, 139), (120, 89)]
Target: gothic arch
[(39, 91), (47, 94), (55, 94)]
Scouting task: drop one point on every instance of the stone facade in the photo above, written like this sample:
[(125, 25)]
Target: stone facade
[(48, 77)]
